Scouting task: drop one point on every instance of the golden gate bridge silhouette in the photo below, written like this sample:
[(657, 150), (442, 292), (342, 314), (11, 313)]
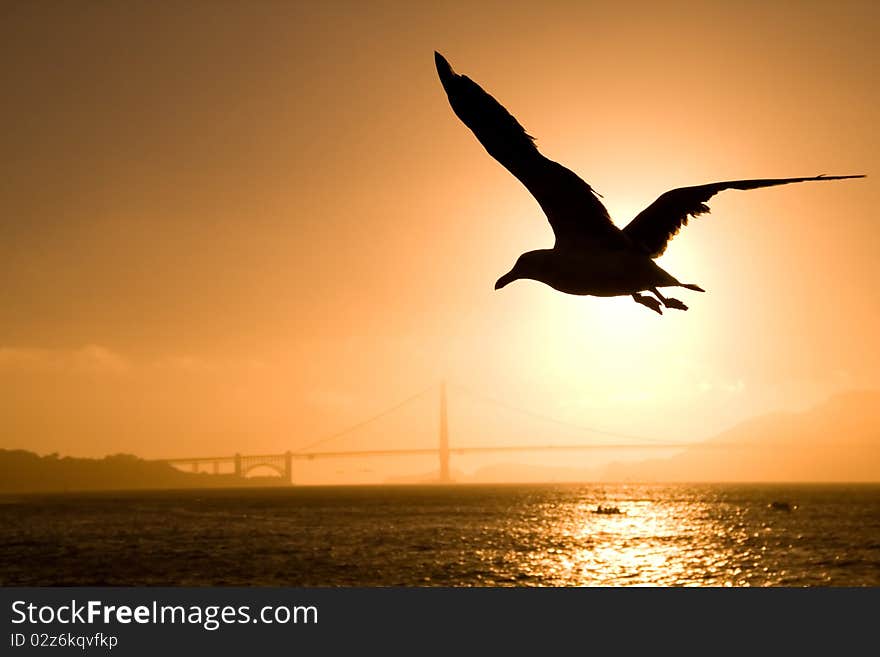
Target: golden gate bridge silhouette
[(282, 464)]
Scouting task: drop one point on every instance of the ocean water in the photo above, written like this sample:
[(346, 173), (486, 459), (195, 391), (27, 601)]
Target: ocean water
[(516, 535)]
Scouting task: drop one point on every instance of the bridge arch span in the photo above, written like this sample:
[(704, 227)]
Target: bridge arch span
[(253, 466), (280, 463)]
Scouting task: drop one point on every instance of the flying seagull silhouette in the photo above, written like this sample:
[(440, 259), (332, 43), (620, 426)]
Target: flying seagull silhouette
[(591, 255)]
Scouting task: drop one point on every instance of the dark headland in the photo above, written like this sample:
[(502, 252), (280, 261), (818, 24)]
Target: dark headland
[(26, 472)]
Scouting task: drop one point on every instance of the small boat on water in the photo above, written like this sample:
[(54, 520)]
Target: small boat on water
[(778, 505), (607, 510)]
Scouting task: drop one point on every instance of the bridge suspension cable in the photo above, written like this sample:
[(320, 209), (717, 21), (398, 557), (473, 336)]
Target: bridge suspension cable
[(546, 418), (369, 420)]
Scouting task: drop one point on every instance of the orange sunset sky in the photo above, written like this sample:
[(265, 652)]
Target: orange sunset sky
[(234, 226)]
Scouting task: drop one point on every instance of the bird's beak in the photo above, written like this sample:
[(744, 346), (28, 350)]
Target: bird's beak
[(509, 277)]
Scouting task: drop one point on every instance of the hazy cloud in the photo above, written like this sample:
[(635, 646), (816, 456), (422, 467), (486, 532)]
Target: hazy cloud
[(89, 358)]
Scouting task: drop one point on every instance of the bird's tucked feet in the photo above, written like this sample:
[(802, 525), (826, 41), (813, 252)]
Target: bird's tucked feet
[(650, 302), (669, 302)]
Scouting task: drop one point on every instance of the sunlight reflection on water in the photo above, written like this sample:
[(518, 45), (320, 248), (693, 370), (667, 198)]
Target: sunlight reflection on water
[(640, 547)]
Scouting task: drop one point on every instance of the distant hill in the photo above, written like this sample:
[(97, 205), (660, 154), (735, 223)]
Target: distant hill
[(26, 472), (837, 441)]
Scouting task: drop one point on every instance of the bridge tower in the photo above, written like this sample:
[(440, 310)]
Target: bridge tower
[(444, 438), (288, 467)]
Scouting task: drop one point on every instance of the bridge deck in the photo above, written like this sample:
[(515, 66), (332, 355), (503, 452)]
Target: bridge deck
[(452, 450)]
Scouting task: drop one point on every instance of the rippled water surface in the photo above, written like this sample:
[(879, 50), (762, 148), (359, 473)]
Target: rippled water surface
[(535, 535)]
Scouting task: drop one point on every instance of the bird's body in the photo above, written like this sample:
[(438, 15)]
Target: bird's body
[(591, 255), (598, 273)]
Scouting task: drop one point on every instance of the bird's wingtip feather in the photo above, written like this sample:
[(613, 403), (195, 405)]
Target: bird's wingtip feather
[(443, 67), (826, 176)]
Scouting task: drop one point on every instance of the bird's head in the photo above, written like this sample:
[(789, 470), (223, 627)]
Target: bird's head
[(528, 265)]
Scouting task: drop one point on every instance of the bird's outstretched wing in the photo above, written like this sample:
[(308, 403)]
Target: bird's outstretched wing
[(576, 214), (652, 229)]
